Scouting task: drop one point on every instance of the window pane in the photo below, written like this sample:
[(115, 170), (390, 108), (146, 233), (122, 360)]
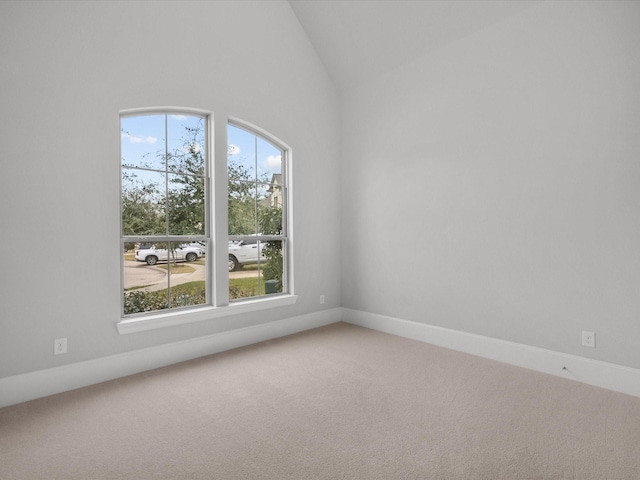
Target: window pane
[(255, 269), (245, 269), (143, 202), (256, 207), (241, 154), (156, 276), (145, 285), (242, 208), (273, 266), (186, 144), (270, 215), (269, 160), (186, 205), (187, 274), (164, 182), (143, 141)]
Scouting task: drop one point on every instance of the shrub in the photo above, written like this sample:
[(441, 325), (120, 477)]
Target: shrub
[(241, 292), (138, 301)]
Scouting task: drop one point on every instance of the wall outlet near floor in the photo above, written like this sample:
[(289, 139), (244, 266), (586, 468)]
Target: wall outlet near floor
[(321, 299), (589, 339), (59, 346)]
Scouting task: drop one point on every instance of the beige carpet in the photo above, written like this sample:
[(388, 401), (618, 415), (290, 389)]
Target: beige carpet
[(339, 402)]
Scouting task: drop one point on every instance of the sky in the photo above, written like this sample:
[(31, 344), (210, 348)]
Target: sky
[(144, 136), (245, 147), (143, 145)]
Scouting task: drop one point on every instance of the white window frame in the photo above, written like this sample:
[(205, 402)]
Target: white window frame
[(217, 255), (284, 236)]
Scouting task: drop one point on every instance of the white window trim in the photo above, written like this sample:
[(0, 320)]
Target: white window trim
[(286, 170), (217, 133)]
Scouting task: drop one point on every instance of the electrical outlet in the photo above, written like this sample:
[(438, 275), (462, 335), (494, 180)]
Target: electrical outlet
[(589, 339), (59, 346), (321, 299)]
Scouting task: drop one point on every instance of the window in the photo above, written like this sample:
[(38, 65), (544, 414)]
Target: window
[(167, 224), (257, 214), (164, 192)]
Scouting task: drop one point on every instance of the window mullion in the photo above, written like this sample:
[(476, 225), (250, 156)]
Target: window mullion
[(219, 212), (166, 176)]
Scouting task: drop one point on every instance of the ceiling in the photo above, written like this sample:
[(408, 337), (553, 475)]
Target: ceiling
[(360, 39)]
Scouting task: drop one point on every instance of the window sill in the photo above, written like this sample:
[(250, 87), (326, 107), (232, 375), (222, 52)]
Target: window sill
[(169, 319)]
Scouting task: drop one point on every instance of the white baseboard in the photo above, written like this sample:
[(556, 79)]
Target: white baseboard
[(21, 388), (29, 386), (593, 372)]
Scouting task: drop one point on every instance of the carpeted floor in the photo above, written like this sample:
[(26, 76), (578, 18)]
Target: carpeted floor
[(339, 402)]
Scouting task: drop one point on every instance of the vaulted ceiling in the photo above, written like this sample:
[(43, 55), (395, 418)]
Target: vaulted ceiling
[(360, 39)]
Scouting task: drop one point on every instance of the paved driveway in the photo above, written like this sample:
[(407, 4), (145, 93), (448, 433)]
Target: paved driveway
[(155, 278), (138, 273)]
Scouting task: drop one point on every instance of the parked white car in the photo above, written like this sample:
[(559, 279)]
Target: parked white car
[(202, 250), (183, 253), (245, 252)]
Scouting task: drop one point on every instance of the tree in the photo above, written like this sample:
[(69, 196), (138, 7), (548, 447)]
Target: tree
[(186, 195), (142, 213), (242, 202), (271, 224), (148, 204)]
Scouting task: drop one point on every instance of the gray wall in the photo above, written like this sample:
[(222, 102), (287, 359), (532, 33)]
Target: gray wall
[(67, 70), (493, 187), (490, 187)]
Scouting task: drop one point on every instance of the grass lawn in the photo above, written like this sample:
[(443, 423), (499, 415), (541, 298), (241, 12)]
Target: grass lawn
[(238, 287), (177, 268)]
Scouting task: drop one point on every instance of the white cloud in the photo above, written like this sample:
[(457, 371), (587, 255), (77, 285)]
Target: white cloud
[(233, 149), (135, 139), (273, 162), (179, 117)]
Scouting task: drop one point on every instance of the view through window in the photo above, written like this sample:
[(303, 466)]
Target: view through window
[(165, 235), (257, 205), (166, 198)]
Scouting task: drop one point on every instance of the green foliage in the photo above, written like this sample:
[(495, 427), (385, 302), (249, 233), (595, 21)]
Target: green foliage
[(138, 301), (147, 205), (192, 293), (142, 213), (273, 267), (245, 287), (271, 224), (270, 220), (236, 292), (244, 197), (186, 195), (241, 198)]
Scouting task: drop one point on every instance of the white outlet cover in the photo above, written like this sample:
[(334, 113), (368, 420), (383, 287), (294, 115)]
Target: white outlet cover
[(59, 346), (589, 339)]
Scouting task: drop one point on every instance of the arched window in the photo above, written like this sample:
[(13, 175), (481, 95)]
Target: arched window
[(165, 232), (257, 203), (168, 197)]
